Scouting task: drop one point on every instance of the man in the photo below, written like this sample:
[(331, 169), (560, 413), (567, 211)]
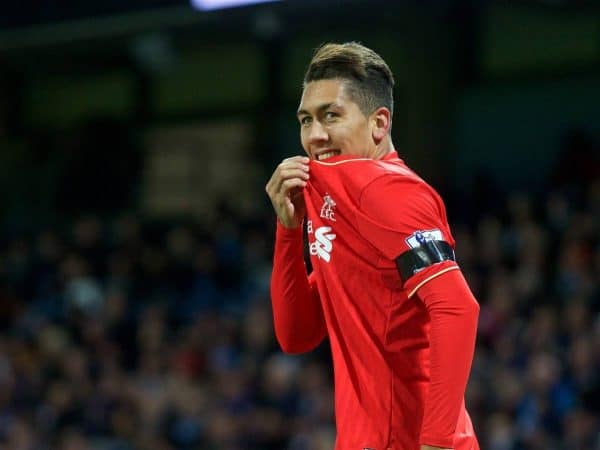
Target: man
[(385, 288)]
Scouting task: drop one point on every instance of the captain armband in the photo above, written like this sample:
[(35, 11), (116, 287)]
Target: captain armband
[(425, 252)]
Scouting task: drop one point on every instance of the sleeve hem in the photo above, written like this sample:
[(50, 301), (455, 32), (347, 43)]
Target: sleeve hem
[(288, 233), (429, 278)]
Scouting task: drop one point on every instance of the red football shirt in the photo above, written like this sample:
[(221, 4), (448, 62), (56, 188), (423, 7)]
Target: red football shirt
[(361, 215)]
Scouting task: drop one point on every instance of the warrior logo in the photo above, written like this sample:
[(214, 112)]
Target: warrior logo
[(327, 210), (323, 244)]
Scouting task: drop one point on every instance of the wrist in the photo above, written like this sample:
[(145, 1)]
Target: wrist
[(292, 232), (288, 226)]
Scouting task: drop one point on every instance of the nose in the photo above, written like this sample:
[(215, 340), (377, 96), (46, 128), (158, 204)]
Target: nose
[(317, 133)]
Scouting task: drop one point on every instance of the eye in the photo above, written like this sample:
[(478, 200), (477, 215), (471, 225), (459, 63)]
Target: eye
[(305, 120), (330, 115)]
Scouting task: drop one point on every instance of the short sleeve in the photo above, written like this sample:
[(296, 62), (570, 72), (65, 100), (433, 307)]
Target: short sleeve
[(396, 214)]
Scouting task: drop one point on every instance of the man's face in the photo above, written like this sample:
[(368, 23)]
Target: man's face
[(332, 124)]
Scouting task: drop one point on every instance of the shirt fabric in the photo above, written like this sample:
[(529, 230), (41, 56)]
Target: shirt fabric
[(361, 215)]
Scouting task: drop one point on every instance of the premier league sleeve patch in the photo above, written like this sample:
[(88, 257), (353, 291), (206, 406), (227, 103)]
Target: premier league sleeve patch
[(418, 238), (426, 248)]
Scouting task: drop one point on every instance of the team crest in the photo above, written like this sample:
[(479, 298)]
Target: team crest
[(328, 208)]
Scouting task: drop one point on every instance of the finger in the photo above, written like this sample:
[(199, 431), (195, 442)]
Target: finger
[(291, 183), (286, 169), (300, 159), (294, 173), (278, 197), (288, 174), (292, 166), (277, 184), (287, 206)]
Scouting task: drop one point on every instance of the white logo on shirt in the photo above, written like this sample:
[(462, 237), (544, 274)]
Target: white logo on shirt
[(418, 238), (323, 245), (327, 210)]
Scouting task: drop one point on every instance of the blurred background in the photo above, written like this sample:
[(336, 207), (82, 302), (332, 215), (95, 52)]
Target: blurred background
[(136, 137)]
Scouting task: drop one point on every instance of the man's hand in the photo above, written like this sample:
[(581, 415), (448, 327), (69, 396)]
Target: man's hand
[(285, 190), (431, 447)]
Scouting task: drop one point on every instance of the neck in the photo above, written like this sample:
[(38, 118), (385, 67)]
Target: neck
[(385, 146)]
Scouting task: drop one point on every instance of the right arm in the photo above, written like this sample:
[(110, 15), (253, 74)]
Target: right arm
[(297, 313)]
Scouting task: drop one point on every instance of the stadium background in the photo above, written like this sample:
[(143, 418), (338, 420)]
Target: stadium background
[(136, 138)]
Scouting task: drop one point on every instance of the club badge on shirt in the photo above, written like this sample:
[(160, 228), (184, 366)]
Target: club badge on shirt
[(328, 208)]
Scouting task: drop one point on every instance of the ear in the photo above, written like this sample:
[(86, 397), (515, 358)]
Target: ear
[(381, 123)]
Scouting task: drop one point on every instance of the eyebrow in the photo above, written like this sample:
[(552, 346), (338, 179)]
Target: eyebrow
[(321, 108)]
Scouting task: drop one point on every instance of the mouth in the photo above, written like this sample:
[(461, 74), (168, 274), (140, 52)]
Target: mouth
[(327, 154)]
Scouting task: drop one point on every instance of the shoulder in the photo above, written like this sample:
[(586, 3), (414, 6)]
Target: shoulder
[(398, 185), (395, 197)]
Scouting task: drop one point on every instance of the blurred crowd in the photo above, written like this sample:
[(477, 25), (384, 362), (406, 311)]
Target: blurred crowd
[(125, 334)]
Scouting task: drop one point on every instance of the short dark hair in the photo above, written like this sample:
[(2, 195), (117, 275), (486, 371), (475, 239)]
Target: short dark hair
[(370, 80)]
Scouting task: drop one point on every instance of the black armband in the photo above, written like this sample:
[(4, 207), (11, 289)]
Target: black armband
[(425, 255)]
